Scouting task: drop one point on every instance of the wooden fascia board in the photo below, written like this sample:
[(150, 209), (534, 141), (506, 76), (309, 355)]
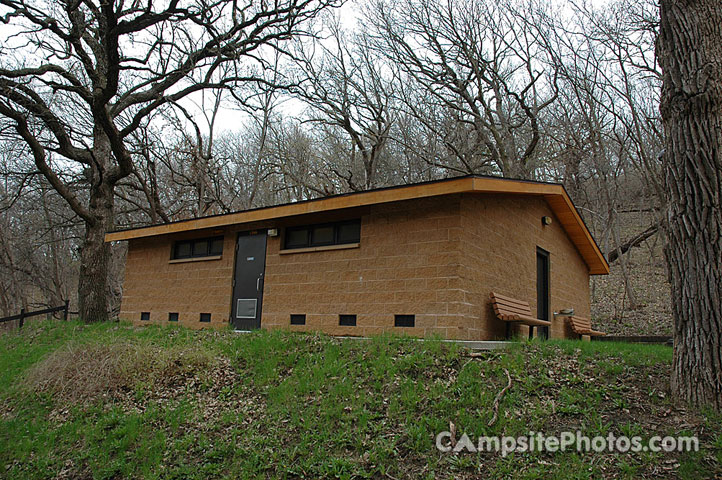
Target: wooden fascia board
[(564, 210), (578, 232), (323, 205)]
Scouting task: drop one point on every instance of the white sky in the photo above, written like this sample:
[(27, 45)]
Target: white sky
[(349, 13), (229, 119)]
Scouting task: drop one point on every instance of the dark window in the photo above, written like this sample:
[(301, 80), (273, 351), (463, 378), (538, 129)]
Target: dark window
[(298, 319), (323, 234), (349, 232), (347, 320), (296, 237), (205, 317), (404, 320), (145, 316), (173, 317), (182, 250), (216, 246), (201, 247)]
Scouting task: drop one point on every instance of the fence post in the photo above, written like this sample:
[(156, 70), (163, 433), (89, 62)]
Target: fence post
[(65, 312), (22, 317)]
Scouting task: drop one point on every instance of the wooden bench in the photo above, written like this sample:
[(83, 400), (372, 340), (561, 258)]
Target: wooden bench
[(583, 326), (515, 311)]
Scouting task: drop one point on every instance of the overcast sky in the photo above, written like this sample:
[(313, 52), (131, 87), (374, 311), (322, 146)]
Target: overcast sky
[(230, 119)]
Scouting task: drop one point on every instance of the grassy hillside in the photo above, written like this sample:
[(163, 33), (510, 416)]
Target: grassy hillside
[(114, 401)]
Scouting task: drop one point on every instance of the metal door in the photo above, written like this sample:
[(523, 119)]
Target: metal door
[(248, 281), (542, 290)]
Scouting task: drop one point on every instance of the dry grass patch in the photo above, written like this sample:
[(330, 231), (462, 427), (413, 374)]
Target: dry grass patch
[(85, 372)]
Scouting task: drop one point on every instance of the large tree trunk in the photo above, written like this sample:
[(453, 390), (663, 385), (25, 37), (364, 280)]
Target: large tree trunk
[(690, 53), (93, 285)]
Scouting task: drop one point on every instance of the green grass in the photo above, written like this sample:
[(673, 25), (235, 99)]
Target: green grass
[(173, 403)]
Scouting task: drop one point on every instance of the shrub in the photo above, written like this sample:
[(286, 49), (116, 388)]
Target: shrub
[(82, 372)]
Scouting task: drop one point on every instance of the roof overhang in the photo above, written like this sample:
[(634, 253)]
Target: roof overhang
[(554, 194)]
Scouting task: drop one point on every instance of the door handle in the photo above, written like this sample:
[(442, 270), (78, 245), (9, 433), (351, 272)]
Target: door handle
[(258, 284)]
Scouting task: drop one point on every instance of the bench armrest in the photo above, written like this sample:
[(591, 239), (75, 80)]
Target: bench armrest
[(536, 322)]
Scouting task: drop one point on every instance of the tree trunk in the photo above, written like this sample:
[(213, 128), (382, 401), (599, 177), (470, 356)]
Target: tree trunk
[(93, 285), (690, 53), (54, 284), (635, 241), (628, 289)]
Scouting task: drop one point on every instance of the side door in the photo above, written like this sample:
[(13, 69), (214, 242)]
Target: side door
[(248, 280), (542, 289)]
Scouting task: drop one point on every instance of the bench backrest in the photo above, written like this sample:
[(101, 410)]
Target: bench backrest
[(504, 306), (580, 324)]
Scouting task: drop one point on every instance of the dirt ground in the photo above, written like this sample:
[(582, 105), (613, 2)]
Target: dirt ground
[(650, 314)]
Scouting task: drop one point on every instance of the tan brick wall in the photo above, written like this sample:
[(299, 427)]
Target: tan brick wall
[(153, 284), (407, 263), (437, 258), (500, 236)]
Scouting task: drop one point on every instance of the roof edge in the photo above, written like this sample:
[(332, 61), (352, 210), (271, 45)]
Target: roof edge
[(555, 194)]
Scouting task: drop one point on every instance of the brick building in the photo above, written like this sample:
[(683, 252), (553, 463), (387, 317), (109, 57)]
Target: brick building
[(421, 259)]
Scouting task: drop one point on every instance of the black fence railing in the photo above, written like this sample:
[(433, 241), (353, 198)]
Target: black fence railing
[(23, 314)]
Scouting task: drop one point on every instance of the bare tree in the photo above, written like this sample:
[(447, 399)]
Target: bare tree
[(343, 83), (690, 52), (78, 78), (297, 169), (605, 129), (143, 187), (484, 75), (38, 239)]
